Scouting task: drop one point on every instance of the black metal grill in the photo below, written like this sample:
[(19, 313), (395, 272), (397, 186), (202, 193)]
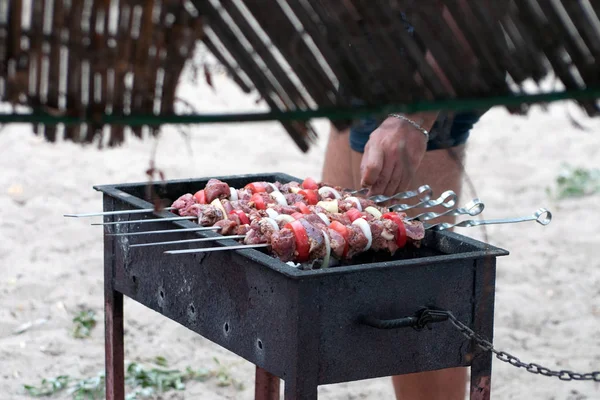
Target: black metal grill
[(306, 327)]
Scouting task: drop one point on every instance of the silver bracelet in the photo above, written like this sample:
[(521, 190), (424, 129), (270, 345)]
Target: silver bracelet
[(413, 123)]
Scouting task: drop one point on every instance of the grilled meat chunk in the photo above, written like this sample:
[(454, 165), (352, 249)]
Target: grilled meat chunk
[(183, 203), (215, 189), (207, 215), (228, 226), (283, 244), (356, 240)]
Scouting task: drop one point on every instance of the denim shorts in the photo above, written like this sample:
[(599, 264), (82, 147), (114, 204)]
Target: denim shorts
[(446, 131)]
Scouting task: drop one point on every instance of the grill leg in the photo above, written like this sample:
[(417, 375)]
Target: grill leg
[(266, 385), (481, 377), (113, 317)]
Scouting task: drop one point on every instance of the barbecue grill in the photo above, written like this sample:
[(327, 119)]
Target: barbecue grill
[(308, 327)]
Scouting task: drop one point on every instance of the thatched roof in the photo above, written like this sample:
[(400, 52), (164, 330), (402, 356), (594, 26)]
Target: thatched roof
[(304, 55)]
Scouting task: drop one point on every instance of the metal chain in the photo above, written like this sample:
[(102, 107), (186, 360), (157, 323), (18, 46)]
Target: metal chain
[(563, 375)]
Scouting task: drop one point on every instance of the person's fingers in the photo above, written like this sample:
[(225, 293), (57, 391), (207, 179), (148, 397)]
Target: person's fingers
[(389, 163), (397, 179), (371, 166)]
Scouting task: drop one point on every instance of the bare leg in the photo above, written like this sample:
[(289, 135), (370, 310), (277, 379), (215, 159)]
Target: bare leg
[(442, 171)]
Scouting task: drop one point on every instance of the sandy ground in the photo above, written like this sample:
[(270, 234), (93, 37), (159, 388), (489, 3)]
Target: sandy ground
[(548, 289)]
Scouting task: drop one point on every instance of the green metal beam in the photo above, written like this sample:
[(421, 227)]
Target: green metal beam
[(40, 117)]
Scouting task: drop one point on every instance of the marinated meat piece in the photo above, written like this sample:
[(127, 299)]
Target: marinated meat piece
[(207, 215), (378, 242), (315, 239), (337, 243), (384, 235), (345, 205), (216, 189), (364, 203), (292, 198), (244, 194), (184, 202), (283, 245), (242, 229), (356, 240), (227, 226), (278, 185), (285, 209), (241, 205), (315, 220), (266, 198), (227, 206), (266, 229), (341, 218), (234, 217), (253, 236), (286, 188), (414, 230), (256, 215)]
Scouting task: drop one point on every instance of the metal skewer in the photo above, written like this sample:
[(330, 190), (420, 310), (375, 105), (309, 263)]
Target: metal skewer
[(189, 241), (541, 216), (143, 221), (120, 212), (446, 199), (202, 228), (472, 208), (207, 249)]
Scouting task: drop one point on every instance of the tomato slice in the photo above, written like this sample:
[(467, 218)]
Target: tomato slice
[(311, 196), (310, 183), (200, 197), (242, 216), (259, 202), (302, 245), (401, 236), (342, 230), (297, 215), (353, 214), (303, 208), (256, 187)]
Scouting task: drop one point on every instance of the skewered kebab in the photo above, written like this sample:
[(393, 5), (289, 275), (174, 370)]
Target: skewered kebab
[(321, 235)]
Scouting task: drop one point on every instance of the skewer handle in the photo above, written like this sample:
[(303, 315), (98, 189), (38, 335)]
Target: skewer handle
[(541, 216), (446, 199), (424, 193), (472, 208)]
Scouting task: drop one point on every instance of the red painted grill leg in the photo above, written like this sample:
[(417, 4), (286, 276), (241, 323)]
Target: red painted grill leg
[(266, 385)]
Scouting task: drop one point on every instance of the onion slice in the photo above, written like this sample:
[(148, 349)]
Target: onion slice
[(373, 211), (272, 222), (272, 213), (328, 250), (329, 205), (356, 201), (325, 218), (366, 229), (233, 196), (279, 197), (217, 203), (273, 186), (387, 235), (327, 189), (285, 217)]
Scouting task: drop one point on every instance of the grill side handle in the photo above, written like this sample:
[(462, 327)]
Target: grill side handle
[(422, 319)]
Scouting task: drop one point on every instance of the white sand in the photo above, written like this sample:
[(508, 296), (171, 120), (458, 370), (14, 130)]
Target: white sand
[(548, 289)]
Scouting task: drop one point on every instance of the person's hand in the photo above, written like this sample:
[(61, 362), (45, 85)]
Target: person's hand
[(393, 153)]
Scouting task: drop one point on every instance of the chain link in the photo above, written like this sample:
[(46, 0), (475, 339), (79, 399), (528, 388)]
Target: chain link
[(563, 375)]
